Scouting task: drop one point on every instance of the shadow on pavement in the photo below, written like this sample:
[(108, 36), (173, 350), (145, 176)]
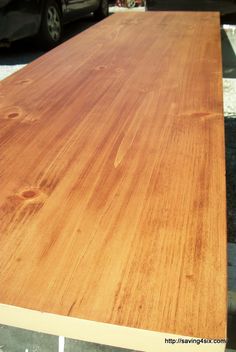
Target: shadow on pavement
[(230, 142), (224, 6)]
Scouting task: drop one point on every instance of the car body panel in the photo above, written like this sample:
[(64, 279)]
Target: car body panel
[(78, 8), (19, 19)]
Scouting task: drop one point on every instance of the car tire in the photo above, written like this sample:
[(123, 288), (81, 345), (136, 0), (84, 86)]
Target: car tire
[(102, 11), (130, 4), (50, 33)]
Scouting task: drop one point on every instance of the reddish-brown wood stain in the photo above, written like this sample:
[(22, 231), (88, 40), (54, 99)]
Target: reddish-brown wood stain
[(112, 177)]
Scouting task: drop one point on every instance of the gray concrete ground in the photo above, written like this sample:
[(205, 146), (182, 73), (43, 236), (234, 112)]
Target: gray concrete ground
[(80, 346), (19, 340), (20, 54)]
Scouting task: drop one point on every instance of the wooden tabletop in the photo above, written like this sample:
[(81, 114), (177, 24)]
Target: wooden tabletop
[(112, 185)]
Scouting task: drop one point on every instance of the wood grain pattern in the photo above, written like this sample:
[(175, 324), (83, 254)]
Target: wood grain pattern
[(112, 178)]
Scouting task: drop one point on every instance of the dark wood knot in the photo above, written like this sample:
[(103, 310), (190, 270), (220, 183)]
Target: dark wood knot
[(29, 194)]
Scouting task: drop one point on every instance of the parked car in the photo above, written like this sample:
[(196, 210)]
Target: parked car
[(44, 18)]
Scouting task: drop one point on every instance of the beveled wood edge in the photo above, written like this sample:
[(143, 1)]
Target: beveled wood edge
[(97, 332)]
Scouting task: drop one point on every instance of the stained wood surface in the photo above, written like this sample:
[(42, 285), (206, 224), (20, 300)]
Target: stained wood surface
[(112, 178)]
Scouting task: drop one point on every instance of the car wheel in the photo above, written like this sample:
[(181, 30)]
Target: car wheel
[(130, 3), (50, 33), (103, 10)]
